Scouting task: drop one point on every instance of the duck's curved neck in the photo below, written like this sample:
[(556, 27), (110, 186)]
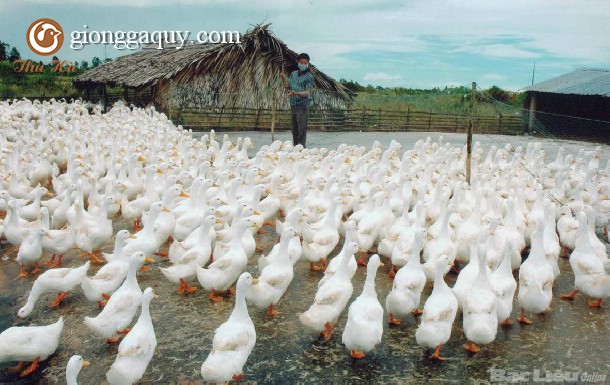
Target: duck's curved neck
[(145, 314), (131, 280), (439, 280), (240, 230), (369, 283), (444, 233), (71, 376), (240, 311), (149, 226), (414, 260)]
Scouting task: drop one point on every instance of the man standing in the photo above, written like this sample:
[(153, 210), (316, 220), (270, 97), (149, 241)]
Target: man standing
[(300, 84)]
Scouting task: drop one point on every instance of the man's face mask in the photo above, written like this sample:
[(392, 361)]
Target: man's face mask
[(303, 67)]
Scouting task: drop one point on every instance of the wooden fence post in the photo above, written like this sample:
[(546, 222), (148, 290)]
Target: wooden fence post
[(469, 132), (220, 115), (429, 120), (408, 117), (273, 123), (379, 118), (363, 115), (256, 119)]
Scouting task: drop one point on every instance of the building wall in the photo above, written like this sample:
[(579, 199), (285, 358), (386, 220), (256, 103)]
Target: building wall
[(573, 116)]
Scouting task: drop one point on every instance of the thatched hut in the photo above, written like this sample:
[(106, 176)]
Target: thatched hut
[(242, 75)]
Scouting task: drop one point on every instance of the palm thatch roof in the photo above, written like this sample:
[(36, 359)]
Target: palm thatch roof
[(242, 75)]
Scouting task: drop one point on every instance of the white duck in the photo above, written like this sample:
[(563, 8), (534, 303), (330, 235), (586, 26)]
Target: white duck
[(274, 278), (145, 239), (30, 252), (409, 282), (597, 245), (233, 340), (510, 231), (440, 310), (223, 272), (567, 228), (32, 211), (75, 364), (319, 242), (330, 301), (184, 269), (468, 274), (369, 228), (289, 244), (401, 224), (119, 243), (109, 277), (591, 274), (121, 307), (535, 278), (61, 281), (442, 245), (364, 326), (136, 349), (225, 236), (16, 229), (350, 227), (95, 233), (504, 285), (29, 344), (58, 243), (480, 313), (552, 249), (177, 248), (404, 244), (468, 231)]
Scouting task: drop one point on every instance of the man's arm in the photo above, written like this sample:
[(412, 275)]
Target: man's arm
[(304, 94), (284, 80)]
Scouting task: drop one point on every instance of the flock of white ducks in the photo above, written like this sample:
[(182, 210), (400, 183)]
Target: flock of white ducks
[(68, 175)]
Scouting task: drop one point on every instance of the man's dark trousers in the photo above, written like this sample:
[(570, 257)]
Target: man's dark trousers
[(299, 124)]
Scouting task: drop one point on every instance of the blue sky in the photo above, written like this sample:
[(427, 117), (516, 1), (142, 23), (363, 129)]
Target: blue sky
[(418, 43)]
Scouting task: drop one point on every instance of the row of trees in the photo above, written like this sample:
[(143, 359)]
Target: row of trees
[(357, 87), (8, 53), (495, 92)]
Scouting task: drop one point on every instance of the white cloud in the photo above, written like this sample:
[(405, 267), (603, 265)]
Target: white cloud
[(499, 51), (381, 77)]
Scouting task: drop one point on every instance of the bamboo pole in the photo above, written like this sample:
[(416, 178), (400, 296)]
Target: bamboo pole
[(469, 132)]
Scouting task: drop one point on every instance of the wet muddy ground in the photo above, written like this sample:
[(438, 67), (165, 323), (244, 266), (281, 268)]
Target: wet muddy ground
[(571, 337)]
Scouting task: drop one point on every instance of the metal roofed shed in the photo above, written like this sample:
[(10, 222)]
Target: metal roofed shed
[(575, 105)]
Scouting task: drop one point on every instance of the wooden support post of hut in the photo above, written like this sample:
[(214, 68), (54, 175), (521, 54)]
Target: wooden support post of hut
[(105, 98), (126, 95)]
